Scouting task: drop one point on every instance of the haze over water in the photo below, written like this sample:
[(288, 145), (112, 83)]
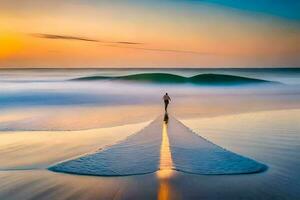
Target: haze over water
[(48, 112), (81, 108)]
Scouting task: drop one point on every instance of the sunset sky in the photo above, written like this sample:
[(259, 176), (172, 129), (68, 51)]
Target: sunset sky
[(153, 33)]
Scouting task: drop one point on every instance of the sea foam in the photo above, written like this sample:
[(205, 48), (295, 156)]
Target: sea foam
[(193, 154), (140, 154)]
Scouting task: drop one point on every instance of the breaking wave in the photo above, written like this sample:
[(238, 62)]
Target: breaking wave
[(166, 78)]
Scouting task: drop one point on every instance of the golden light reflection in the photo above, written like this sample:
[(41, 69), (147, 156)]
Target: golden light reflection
[(166, 164)]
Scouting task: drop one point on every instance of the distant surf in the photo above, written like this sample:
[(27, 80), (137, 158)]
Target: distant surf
[(166, 78)]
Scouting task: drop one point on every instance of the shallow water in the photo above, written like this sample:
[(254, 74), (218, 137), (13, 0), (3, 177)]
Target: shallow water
[(45, 119), (180, 149), (31, 99), (39, 149), (271, 137)]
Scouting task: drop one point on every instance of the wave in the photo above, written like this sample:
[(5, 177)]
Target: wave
[(200, 79), (141, 153)]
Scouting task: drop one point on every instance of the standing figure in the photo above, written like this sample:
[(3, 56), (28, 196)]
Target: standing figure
[(166, 99)]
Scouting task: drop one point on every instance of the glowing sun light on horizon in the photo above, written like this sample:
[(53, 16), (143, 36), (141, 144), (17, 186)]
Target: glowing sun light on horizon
[(9, 44)]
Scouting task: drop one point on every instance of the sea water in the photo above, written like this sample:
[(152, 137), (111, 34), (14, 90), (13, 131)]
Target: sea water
[(31, 98), (258, 121)]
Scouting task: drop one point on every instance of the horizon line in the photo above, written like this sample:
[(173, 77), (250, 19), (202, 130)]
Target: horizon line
[(293, 67)]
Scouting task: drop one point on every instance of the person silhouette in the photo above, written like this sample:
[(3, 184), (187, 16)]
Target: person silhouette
[(167, 100)]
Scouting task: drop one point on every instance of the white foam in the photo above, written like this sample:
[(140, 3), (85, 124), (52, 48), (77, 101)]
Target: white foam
[(194, 154), (140, 154)]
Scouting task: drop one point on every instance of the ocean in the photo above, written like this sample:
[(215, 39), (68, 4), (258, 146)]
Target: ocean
[(64, 113)]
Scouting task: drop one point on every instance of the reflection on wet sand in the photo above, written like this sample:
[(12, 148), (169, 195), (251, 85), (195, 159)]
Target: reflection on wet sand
[(23, 149), (166, 164), (271, 137)]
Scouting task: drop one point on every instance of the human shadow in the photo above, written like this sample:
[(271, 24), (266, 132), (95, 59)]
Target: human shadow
[(166, 118)]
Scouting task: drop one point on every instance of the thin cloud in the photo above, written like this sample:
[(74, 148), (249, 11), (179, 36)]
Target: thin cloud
[(62, 37), (117, 44), (121, 42), (162, 50), (68, 37)]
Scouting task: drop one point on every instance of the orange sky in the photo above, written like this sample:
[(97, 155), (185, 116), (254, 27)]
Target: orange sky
[(77, 34)]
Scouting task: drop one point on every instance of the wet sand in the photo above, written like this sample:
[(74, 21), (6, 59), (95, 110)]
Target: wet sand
[(92, 117), (39, 149), (271, 137)]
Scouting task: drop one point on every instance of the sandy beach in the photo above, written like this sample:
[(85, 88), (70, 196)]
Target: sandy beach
[(40, 149), (108, 133), (150, 100)]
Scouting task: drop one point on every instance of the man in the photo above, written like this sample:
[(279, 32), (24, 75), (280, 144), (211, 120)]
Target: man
[(166, 99)]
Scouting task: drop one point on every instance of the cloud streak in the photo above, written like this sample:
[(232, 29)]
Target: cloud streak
[(115, 44), (62, 37), (162, 50), (69, 37)]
